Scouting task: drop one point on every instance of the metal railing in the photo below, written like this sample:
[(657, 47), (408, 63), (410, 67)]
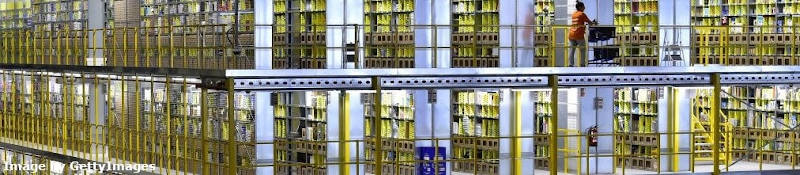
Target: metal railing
[(211, 47)]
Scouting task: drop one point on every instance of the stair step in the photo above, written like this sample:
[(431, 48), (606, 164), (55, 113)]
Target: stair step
[(702, 144)]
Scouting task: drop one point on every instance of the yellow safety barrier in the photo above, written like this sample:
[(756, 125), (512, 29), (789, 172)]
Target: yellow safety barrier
[(207, 47)]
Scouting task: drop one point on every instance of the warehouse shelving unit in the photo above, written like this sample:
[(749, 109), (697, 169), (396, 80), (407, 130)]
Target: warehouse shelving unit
[(300, 131), (476, 115), (192, 30), (397, 131), (759, 32), (388, 34), (60, 23), (637, 32), (636, 136), (475, 33), (543, 112), (545, 15), (299, 39), (15, 14)]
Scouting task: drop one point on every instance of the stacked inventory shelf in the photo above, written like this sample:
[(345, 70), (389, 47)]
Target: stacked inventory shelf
[(762, 119), (475, 33), (60, 15), (15, 14), (299, 35), (389, 37), (545, 14), (397, 129), (475, 130), (194, 29), (543, 112), (637, 32), (300, 131), (636, 128), (61, 23), (758, 32)]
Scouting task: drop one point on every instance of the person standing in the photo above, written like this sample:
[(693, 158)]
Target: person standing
[(577, 35)]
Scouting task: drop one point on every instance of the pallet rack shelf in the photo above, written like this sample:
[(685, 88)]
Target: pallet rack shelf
[(190, 28), (545, 14), (476, 115), (759, 32), (636, 128), (15, 14), (397, 129), (299, 39), (300, 131), (475, 33), (388, 34), (637, 32), (543, 112)]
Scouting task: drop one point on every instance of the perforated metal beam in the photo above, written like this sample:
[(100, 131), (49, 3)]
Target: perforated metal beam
[(359, 79)]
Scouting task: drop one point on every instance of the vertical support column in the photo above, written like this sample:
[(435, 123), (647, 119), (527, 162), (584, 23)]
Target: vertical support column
[(336, 118), (376, 85), (672, 122), (356, 116), (507, 121), (264, 122), (508, 12), (516, 132), (96, 15), (597, 109), (232, 143), (441, 15), (335, 12), (354, 19), (423, 35), (715, 131), (516, 34), (553, 145), (344, 132), (262, 10)]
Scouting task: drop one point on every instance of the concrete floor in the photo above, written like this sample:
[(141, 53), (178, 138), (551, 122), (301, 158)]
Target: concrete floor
[(742, 167)]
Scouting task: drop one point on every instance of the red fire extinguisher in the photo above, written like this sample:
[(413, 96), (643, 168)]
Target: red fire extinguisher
[(592, 135)]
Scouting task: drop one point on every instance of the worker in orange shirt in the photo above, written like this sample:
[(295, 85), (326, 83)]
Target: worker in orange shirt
[(577, 35)]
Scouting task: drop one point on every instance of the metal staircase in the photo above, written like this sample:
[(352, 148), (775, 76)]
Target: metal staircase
[(701, 139)]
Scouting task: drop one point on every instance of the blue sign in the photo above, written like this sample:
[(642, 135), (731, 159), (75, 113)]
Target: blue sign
[(425, 157)]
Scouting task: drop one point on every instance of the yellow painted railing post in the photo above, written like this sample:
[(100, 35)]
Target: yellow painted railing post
[(344, 133), (204, 130), (378, 141), (516, 145), (715, 121), (552, 48), (553, 164), (137, 108), (232, 144)]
